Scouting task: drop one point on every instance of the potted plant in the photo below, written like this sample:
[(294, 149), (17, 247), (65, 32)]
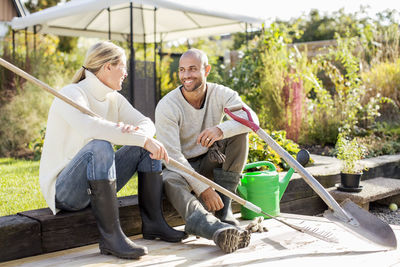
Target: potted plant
[(350, 152)]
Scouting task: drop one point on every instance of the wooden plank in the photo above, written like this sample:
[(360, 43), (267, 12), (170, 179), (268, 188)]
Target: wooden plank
[(66, 229), (306, 206), (299, 189), (19, 237), (73, 229), (373, 189), (390, 169)]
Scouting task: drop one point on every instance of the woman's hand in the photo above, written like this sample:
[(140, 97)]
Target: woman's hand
[(127, 128), (156, 149)]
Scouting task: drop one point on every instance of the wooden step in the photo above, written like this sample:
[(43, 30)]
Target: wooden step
[(373, 190)]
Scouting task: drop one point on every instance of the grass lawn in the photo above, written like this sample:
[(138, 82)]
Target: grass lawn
[(20, 190)]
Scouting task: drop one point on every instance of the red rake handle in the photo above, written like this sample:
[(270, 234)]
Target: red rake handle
[(249, 123)]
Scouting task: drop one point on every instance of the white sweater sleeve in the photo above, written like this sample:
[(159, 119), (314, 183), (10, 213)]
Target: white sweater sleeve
[(231, 127), (128, 114), (90, 127), (168, 133)]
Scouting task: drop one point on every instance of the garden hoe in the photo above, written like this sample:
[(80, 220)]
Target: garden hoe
[(352, 217), (307, 230), (348, 215)]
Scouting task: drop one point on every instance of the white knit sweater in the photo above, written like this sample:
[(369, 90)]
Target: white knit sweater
[(178, 125), (68, 129)]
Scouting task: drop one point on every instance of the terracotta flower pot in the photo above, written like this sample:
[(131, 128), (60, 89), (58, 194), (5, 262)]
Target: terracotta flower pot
[(350, 180)]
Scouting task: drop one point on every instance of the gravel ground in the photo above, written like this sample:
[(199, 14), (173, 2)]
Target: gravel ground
[(384, 213)]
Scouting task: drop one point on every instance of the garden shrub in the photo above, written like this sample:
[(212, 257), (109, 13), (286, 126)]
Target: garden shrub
[(260, 151), (339, 109), (24, 113), (383, 79), (270, 78)]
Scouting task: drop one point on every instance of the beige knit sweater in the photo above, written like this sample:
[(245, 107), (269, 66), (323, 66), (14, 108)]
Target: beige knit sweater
[(178, 124), (68, 129)]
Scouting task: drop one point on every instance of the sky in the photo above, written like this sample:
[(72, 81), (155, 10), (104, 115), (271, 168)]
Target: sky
[(286, 9)]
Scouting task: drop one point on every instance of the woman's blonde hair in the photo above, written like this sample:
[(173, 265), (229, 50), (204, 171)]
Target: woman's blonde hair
[(97, 56)]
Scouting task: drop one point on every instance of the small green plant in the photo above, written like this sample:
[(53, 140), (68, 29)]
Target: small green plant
[(37, 144), (350, 152)]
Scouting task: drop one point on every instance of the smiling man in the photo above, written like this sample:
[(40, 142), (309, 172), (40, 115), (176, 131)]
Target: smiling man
[(189, 124)]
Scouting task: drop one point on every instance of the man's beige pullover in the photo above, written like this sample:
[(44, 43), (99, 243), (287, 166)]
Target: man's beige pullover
[(178, 124), (68, 129)]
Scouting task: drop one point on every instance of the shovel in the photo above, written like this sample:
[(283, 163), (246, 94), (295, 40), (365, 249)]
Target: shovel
[(349, 215), (326, 236)]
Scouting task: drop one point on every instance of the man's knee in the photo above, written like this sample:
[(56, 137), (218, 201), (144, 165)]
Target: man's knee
[(175, 181), (236, 152)]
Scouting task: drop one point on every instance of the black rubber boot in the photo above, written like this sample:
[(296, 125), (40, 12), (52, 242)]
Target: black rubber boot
[(104, 204), (230, 181), (150, 190), (227, 237)]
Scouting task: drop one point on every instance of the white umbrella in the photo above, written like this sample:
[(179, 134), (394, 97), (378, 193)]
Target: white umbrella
[(153, 20), (148, 20)]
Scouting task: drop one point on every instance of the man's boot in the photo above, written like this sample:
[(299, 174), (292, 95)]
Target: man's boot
[(103, 199), (230, 181), (225, 236), (150, 189)]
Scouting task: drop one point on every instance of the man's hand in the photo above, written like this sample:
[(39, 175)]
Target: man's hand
[(209, 136), (156, 149), (212, 199), (127, 128)]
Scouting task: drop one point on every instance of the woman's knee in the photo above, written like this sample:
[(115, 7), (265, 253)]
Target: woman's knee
[(147, 164), (102, 161), (103, 152)]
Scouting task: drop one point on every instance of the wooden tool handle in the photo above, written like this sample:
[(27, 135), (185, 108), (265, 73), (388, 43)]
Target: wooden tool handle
[(235, 107), (207, 181), (46, 87)]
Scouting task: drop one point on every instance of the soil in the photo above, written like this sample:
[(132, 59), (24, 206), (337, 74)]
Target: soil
[(384, 213)]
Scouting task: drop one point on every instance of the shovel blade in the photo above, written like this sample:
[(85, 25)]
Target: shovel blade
[(365, 225)]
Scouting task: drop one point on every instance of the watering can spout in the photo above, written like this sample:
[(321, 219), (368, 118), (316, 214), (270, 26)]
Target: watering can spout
[(303, 156), (283, 183)]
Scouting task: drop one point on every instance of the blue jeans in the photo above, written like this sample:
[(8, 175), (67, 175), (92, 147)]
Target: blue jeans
[(98, 161)]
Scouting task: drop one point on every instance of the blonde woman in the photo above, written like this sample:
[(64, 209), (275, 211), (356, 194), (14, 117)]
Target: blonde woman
[(79, 166)]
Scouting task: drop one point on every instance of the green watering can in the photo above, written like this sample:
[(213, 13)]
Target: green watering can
[(264, 189)]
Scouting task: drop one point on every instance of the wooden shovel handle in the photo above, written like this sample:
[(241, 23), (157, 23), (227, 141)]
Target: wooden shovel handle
[(46, 87), (207, 181)]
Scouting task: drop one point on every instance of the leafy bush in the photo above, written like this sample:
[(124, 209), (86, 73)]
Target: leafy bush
[(339, 107), (260, 151), (383, 139), (36, 145), (270, 76), (24, 106), (383, 79)]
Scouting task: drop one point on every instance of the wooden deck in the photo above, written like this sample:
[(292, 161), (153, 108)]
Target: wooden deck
[(280, 246)]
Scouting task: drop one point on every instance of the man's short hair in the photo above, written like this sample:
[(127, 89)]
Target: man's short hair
[(199, 54)]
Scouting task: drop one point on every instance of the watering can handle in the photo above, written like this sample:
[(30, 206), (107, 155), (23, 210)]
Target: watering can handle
[(271, 166), (249, 123)]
